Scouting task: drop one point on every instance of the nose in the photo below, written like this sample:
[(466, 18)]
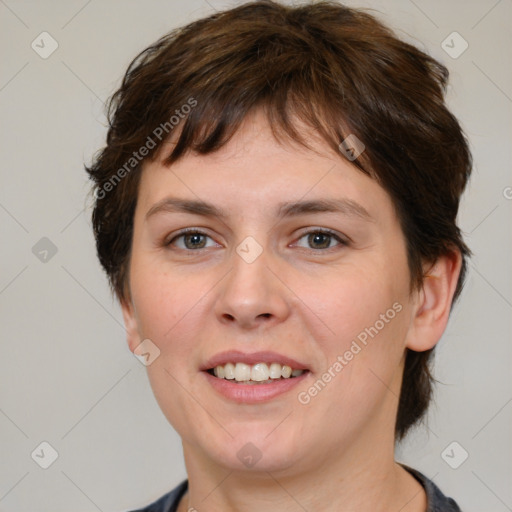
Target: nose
[(253, 293)]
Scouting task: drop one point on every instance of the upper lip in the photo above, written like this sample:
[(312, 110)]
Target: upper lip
[(235, 356)]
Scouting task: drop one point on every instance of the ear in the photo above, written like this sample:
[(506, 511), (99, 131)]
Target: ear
[(433, 303), (130, 324)]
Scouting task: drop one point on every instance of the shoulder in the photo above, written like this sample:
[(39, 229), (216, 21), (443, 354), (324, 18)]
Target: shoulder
[(436, 500), (168, 502)]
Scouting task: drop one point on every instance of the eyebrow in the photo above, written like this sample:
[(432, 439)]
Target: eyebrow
[(344, 206)]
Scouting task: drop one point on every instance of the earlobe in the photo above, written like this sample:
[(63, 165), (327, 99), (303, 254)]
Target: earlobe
[(130, 324), (434, 302)]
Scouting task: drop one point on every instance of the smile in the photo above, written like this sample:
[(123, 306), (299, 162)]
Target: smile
[(252, 378), (258, 373)]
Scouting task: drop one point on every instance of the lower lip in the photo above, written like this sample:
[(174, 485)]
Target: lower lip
[(253, 393)]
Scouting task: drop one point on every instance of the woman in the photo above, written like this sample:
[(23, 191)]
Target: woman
[(276, 211)]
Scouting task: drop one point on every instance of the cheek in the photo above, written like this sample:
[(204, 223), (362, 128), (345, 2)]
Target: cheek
[(170, 311), (363, 361), (163, 300), (174, 311), (356, 299), (366, 310)]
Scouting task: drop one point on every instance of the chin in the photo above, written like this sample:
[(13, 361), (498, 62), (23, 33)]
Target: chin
[(255, 454)]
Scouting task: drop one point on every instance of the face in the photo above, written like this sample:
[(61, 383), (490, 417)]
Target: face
[(299, 258)]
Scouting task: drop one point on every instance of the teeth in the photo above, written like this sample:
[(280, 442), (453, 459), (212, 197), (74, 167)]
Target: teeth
[(286, 372), (242, 372), (229, 371), (260, 372), (275, 371)]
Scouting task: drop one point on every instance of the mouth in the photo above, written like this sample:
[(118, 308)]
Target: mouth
[(253, 378), (259, 373)]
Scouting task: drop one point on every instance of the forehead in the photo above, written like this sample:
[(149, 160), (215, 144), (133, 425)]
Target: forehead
[(254, 167)]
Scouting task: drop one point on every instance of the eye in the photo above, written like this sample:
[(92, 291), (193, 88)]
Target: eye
[(321, 239), (192, 240)]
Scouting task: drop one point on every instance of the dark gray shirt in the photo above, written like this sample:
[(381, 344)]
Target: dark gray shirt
[(436, 500)]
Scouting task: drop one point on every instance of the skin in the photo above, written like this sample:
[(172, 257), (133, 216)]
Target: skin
[(307, 299)]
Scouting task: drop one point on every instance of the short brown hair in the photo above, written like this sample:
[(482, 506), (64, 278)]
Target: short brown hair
[(338, 70)]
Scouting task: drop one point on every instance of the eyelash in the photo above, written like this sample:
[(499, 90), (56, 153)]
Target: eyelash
[(194, 231)]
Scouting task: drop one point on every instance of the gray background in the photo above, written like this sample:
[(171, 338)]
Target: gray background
[(66, 374)]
